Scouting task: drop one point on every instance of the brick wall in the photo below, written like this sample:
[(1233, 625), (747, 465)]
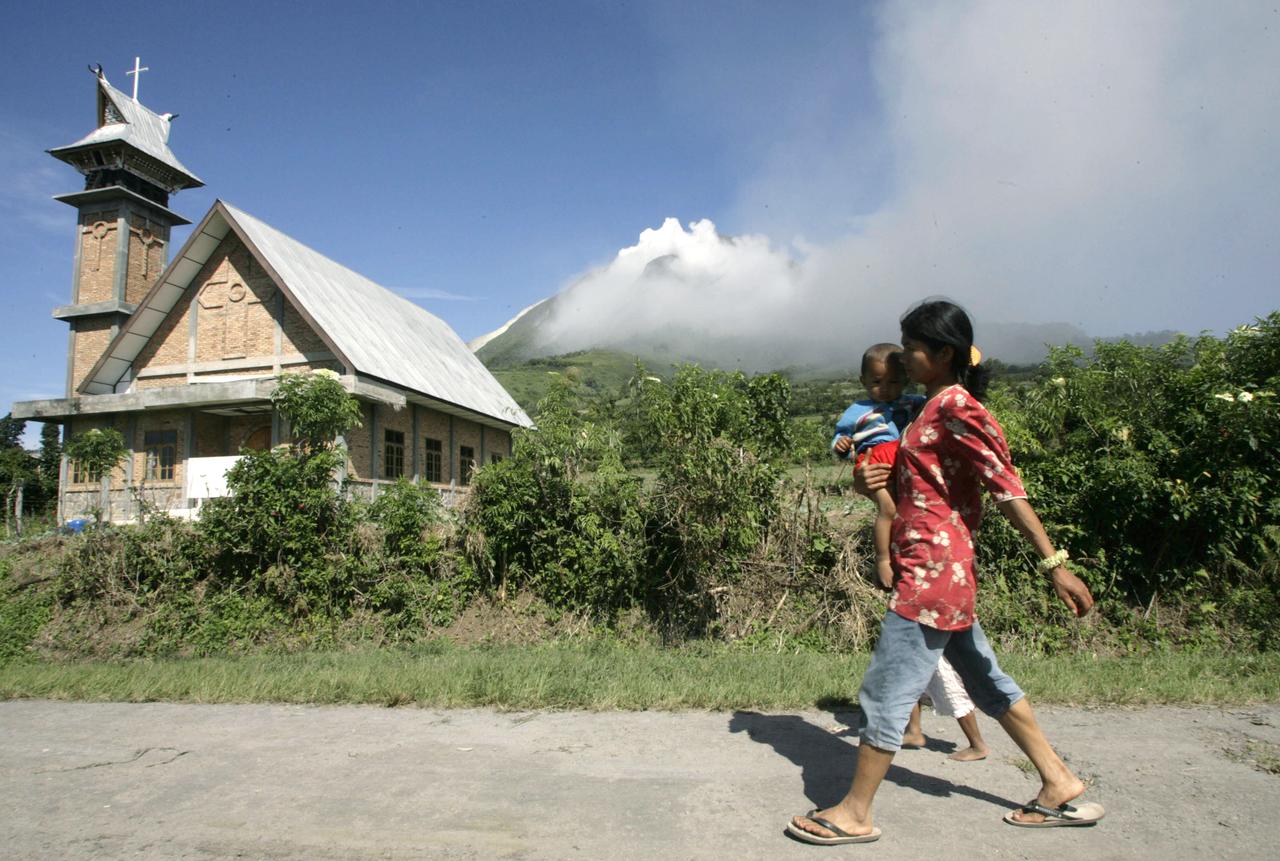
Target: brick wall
[(92, 334), (496, 442), (211, 435), (235, 306), (248, 430), (359, 454), (148, 250), (299, 337), (99, 239)]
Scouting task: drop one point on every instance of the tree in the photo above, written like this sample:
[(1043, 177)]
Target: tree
[(50, 460), (317, 407), (16, 470), (11, 431), (98, 452)]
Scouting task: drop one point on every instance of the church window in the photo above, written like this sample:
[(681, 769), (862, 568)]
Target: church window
[(161, 448), (466, 463), (80, 474), (393, 454), (433, 463)]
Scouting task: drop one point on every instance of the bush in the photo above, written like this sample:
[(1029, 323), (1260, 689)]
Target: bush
[(561, 517), (24, 610), (1159, 466), (720, 436), (280, 526), (412, 573)]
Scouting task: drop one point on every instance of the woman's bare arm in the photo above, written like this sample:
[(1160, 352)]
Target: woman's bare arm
[(1070, 588)]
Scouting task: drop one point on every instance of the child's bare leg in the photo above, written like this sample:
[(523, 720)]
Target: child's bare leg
[(977, 748), (883, 528), (914, 735), (1058, 784)]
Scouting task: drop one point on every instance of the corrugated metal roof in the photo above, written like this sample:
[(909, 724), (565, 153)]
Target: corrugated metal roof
[(381, 334), (142, 129)]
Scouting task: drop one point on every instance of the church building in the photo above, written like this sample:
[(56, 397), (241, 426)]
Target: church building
[(181, 356)]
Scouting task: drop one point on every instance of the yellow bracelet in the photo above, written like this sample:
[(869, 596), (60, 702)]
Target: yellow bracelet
[(1046, 565)]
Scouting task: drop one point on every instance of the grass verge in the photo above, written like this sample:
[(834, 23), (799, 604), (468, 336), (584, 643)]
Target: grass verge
[(606, 676)]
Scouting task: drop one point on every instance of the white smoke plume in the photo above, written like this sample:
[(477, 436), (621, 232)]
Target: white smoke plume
[(1107, 165), (686, 277)]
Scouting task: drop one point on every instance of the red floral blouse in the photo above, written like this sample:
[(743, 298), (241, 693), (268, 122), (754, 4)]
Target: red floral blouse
[(952, 450)]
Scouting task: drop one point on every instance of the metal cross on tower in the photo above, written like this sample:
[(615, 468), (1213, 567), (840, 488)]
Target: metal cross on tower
[(137, 71)]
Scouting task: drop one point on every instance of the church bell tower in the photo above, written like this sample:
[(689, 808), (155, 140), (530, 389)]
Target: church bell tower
[(123, 223)]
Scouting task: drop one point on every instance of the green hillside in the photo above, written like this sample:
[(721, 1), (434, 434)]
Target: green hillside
[(596, 370)]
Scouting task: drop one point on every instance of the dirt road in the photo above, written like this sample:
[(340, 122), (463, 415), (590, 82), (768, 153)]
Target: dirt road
[(162, 781)]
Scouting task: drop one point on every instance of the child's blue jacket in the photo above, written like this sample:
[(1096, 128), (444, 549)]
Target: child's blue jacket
[(869, 423)]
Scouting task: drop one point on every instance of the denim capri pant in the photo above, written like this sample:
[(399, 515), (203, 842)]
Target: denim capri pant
[(905, 660)]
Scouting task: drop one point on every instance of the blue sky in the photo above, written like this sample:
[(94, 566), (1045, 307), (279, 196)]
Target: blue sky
[(1106, 165)]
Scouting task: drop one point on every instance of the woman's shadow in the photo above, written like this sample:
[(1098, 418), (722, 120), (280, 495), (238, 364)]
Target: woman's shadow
[(827, 759)]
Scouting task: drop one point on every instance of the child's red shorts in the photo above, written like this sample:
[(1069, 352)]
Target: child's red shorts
[(885, 452)]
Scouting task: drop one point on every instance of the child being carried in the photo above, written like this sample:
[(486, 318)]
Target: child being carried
[(872, 428)]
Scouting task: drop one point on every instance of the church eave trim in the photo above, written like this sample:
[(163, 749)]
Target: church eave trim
[(79, 199), (199, 395), (129, 157), (93, 309)]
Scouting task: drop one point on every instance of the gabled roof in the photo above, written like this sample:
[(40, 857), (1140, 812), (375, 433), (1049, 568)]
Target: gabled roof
[(371, 330), (122, 119)]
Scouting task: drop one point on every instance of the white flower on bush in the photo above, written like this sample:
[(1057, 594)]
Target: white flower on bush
[(1244, 397), (1226, 396), (1060, 382), (325, 372)]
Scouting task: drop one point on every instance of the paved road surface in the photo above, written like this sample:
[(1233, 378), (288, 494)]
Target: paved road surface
[(164, 781)]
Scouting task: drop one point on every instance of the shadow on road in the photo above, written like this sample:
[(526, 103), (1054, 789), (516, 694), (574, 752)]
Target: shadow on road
[(827, 760)]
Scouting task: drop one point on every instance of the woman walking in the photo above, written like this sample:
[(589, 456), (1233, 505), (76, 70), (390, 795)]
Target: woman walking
[(951, 452)]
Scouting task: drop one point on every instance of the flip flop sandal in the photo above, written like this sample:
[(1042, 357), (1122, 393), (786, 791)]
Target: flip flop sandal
[(1087, 813), (842, 837)]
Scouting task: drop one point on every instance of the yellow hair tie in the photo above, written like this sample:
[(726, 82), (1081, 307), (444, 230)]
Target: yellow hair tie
[(975, 355)]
